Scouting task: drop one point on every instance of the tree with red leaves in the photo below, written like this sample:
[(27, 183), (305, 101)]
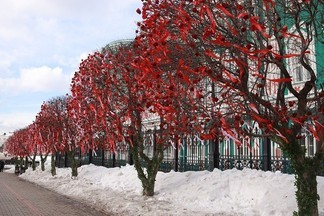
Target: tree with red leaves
[(115, 100), (22, 143), (106, 88), (57, 133), (167, 94), (246, 49), (49, 127), (32, 144), (87, 105), (69, 134)]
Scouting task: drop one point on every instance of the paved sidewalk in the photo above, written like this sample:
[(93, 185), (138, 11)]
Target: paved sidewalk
[(22, 198)]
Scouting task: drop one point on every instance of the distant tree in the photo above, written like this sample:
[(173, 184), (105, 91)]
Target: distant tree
[(70, 138), (43, 125), (57, 132), (32, 144), (49, 126), (247, 49), (20, 145), (85, 107)]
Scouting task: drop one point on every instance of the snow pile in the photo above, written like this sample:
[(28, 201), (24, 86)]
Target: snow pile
[(231, 192)]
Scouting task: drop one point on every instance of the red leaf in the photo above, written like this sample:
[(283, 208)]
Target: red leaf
[(211, 54), (290, 55), (258, 118), (281, 136), (257, 26), (225, 11), (296, 120), (259, 76), (211, 17), (242, 15), (206, 136), (254, 107), (230, 134), (281, 80)]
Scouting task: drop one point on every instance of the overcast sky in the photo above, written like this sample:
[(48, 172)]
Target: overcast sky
[(42, 43)]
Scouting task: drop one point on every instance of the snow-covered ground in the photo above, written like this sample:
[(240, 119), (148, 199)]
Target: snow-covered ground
[(231, 192)]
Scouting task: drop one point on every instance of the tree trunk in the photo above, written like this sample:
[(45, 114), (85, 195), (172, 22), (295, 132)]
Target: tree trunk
[(306, 169), (74, 171), (152, 170), (43, 160), (306, 194), (26, 163), (130, 158), (34, 163), (74, 163), (21, 163), (53, 168), (148, 179), (148, 186)]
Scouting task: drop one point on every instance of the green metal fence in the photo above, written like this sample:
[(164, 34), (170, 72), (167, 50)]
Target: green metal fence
[(193, 154)]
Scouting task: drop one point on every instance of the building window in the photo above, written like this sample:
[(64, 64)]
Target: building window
[(308, 76), (310, 146), (298, 74)]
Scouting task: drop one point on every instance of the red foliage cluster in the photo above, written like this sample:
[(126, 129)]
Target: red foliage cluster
[(196, 66), (243, 50), (23, 142)]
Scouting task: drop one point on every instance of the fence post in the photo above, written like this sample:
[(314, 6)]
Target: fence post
[(251, 161), (176, 154), (183, 155), (154, 141), (102, 156), (266, 144), (239, 162), (216, 154), (213, 154), (65, 159), (130, 154), (90, 156), (130, 158), (114, 160)]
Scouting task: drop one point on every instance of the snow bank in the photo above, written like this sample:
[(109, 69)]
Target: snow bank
[(231, 192)]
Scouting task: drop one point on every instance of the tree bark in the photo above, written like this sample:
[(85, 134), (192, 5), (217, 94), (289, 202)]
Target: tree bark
[(306, 169), (34, 163), (148, 179), (43, 159), (149, 184), (26, 163), (53, 168), (74, 170), (74, 163), (306, 184)]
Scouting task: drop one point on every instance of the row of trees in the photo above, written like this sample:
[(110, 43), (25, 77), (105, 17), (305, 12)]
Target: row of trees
[(195, 66)]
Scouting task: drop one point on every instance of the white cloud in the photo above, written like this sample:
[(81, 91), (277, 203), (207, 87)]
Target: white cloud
[(6, 61), (37, 79), (40, 27), (19, 18), (44, 79), (13, 121), (56, 34)]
